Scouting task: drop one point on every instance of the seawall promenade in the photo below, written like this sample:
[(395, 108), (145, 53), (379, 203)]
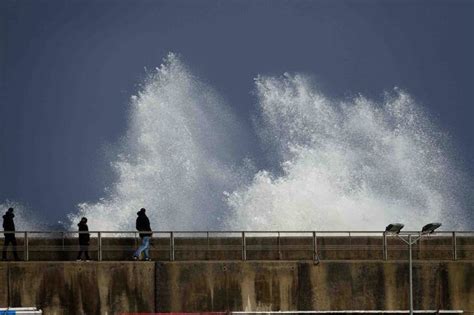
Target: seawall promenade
[(240, 272), (200, 286)]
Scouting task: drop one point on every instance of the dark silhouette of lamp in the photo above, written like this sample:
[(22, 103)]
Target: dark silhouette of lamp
[(430, 228), (394, 228)]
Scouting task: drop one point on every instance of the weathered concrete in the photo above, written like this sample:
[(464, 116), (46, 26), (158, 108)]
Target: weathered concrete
[(79, 288), (334, 285), (199, 286)]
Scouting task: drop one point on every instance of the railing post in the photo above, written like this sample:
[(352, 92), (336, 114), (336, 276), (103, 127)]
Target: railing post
[(350, 246), (25, 249), (315, 247), (385, 250), (410, 272), (279, 246), (455, 255), (99, 246), (171, 246), (244, 247), (208, 246), (62, 241)]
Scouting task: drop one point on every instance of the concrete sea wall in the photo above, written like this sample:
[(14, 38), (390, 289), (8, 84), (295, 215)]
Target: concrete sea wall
[(79, 288), (350, 285), (121, 287)]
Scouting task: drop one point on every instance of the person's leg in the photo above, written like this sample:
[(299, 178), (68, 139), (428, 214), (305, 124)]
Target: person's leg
[(81, 250), (86, 252), (5, 246), (15, 254), (140, 249), (147, 247)]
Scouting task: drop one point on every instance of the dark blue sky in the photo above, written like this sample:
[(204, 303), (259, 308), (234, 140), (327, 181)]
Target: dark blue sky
[(68, 69)]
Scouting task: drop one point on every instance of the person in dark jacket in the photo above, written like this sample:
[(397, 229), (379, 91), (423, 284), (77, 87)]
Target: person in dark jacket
[(143, 225), (9, 226), (84, 239)]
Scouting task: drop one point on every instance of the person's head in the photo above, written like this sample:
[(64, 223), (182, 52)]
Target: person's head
[(142, 211), (84, 220), (10, 210)]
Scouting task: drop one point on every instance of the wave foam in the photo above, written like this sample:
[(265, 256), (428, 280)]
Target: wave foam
[(354, 164)]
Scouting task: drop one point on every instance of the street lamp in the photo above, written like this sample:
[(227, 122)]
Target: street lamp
[(394, 229), (430, 228)]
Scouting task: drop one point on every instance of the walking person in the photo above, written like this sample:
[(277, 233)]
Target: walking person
[(84, 239), (143, 225), (9, 226)]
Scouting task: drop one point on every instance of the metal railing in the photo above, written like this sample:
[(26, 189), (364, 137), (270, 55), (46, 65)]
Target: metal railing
[(247, 245)]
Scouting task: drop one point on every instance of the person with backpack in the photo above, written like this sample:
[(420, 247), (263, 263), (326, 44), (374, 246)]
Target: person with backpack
[(143, 225)]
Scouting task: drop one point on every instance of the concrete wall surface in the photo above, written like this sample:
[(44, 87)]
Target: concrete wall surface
[(79, 288), (331, 285), (139, 287)]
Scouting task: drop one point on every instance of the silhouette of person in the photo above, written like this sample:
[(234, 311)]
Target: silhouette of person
[(143, 225), (84, 239), (9, 226)]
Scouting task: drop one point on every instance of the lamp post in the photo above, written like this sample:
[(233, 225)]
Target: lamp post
[(395, 229)]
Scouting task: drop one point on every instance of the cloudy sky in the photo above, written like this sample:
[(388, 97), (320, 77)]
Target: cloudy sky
[(68, 69)]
